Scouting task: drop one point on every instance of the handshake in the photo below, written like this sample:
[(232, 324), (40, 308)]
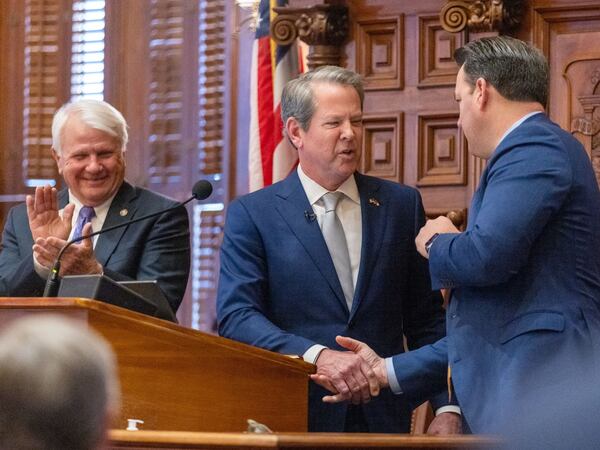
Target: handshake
[(359, 374), (355, 376)]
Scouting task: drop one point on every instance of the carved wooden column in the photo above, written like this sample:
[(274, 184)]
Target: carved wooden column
[(481, 15), (323, 27), (589, 127)]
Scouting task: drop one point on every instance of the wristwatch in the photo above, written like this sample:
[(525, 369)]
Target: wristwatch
[(429, 242)]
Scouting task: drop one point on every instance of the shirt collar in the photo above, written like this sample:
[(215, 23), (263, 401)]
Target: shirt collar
[(314, 191), (100, 210), (517, 123)]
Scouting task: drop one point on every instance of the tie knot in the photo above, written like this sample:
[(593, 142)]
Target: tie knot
[(87, 213), (331, 200)]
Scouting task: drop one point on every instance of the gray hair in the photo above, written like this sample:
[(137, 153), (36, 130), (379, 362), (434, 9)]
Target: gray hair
[(96, 114), (297, 99), (58, 385), (518, 71)]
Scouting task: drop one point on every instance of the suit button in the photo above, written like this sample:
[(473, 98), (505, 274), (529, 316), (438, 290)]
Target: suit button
[(453, 316), (351, 324)]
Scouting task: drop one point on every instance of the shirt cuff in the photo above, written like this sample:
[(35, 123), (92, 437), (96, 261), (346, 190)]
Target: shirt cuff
[(391, 374), (311, 355), (42, 271), (448, 408)]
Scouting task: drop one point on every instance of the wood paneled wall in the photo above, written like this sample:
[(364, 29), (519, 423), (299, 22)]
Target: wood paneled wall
[(411, 135)]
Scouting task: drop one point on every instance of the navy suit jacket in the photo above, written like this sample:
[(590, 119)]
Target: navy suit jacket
[(153, 249), (278, 288), (525, 278)]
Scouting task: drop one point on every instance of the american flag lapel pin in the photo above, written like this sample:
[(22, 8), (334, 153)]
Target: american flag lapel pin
[(373, 201)]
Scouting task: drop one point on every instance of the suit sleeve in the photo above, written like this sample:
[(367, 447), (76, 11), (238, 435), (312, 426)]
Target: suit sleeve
[(525, 187), (165, 257), (242, 298), (17, 274), (422, 373)]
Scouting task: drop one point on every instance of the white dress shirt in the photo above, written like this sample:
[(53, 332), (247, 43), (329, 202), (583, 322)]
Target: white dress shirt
[(97, 223), (349, 213)]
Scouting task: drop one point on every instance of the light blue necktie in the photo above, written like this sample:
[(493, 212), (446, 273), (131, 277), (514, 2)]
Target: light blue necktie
[(333, 232), (86, 214)]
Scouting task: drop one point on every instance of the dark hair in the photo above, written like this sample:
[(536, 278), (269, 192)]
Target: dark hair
[(518, 71)]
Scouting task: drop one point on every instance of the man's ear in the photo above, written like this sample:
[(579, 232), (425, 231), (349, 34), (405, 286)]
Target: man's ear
[(294, 132), (482, 92), (56, 159)]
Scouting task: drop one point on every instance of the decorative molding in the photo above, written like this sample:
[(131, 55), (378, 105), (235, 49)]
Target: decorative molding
[(477, 166), (587, 125), (481, 15), (383, 149), (323, 27), (544, 18), (442, 151), (437, 67), (379, 52)]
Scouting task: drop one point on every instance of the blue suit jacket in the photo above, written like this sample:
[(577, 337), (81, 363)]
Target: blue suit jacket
[(278, 288), (153, 249), (526, 278)]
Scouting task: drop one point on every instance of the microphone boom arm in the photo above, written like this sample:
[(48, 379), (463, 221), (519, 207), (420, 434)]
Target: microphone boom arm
[(202, 190)]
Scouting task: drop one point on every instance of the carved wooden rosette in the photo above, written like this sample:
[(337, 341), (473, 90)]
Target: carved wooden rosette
[(323, 27), (481, 15)]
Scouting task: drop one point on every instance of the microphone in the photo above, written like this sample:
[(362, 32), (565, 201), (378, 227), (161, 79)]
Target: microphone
[(201, 190), (310, 216)]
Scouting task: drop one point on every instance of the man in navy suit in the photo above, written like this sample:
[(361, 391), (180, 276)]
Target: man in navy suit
[(279, 287), (88, 141), (524, 313)]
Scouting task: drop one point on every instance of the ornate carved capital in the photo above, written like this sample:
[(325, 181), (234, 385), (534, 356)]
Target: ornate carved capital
[(481, 15), (323, 27)]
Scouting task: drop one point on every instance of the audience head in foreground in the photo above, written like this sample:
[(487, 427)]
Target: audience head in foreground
[(58, 385)]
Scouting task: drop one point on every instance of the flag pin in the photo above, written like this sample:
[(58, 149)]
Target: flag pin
[(374, 201), (123, 212)]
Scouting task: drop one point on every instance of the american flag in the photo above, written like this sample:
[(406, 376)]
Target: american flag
[(271, 157)]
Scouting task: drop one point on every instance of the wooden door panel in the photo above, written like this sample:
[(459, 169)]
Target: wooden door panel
[(568, 37)]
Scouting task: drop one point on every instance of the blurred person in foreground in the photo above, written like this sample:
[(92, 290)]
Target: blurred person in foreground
[(328, 251), (524, 278), (89, 138), (58, 385)]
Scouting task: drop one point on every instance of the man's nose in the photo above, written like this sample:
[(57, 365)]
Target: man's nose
[(347, 130), (94, 164)]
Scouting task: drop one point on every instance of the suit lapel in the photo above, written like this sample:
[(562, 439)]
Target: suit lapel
[(294, 208), (122, 209), (63, 198), (374, 210)]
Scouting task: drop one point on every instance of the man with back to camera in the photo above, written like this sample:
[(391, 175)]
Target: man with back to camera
[(89, 138), (58, 385), (330, 251), (525, 275)]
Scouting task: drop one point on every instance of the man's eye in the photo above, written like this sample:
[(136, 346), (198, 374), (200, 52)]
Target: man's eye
[(332, 124)]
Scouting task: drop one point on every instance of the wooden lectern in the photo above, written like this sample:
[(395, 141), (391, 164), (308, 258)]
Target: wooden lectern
[(178, 379)]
